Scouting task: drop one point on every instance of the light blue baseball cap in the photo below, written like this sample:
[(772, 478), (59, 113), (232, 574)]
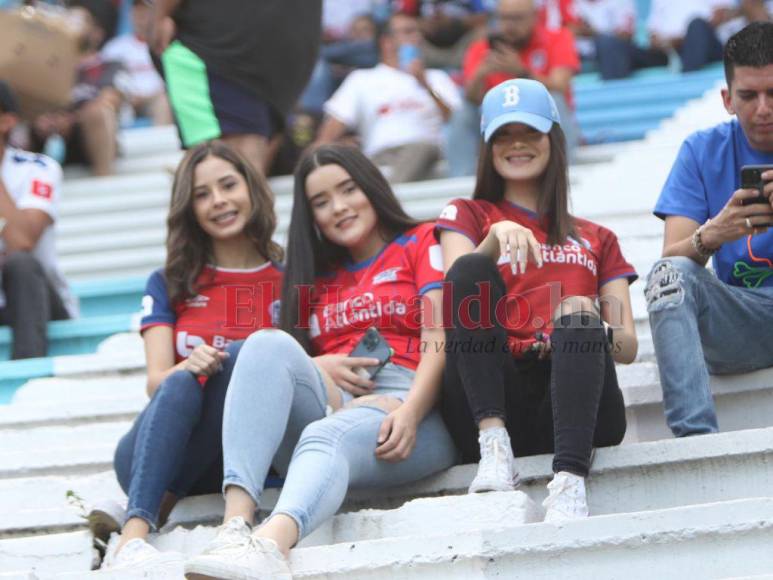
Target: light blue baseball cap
[(518, 101)]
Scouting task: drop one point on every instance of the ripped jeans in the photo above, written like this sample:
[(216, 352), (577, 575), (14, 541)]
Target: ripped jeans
[(701, 325), (275, 413)]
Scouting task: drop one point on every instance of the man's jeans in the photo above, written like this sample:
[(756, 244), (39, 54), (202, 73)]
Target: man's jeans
[(701, 325), (31, 302)]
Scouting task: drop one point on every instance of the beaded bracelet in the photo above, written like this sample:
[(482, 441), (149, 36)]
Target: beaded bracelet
[(697, 243)]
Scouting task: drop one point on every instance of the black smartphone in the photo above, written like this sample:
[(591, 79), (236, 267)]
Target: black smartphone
[(373, 345), (751, 178)]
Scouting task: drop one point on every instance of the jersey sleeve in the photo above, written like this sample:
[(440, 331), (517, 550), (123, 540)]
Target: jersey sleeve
[(612, 263), (43, 188), (427, 259), (564, 51), (156, 307), (684, 193), (459, 216), (344, 104), (473, 59)]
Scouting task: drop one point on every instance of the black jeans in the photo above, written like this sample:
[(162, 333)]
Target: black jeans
[(30, 302), (566, 404)]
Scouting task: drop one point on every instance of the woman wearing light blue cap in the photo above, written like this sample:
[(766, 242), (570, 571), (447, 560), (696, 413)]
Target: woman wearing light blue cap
[(541, 309)]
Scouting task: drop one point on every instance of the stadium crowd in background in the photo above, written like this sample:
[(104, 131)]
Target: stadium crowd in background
[(397, 108), (87, 130), (234, 70), (272, 115)]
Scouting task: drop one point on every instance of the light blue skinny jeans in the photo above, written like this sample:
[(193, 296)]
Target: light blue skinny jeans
[(701, 325), (277, 398)]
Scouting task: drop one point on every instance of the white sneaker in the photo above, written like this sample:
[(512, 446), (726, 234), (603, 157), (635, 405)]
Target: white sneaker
[(496, 470), (235, 554), (567, 499), (139, 556), (106, 517)]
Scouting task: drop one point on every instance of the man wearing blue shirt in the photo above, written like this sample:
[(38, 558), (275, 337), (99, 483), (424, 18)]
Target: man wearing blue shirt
[(704, 323)]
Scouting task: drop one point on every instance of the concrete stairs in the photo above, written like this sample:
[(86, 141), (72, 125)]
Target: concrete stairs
[(693, 508)]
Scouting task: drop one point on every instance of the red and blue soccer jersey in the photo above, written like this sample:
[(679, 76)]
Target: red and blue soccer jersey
[(579, 267), (385, 291), (230, 305)]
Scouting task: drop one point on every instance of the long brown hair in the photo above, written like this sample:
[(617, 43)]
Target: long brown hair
[(188, 246), (553, 203), (310, 254)]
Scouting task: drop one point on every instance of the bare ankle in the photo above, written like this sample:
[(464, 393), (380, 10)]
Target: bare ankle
[(133, 529), (282, 529)]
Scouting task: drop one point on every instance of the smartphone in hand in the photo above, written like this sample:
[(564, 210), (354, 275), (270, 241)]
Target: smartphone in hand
[(373, 345), (751, 178)]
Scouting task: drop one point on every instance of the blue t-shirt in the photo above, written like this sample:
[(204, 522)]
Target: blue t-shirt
[(705, 175)]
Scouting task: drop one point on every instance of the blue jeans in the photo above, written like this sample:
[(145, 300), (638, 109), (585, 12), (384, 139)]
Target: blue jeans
[(618, 58), (701, 325), (175, 443), (700, 46), (277, 398)]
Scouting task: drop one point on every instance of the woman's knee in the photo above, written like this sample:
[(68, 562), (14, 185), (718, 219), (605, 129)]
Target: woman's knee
[(343, 427), (271, 342), (180, 391), (472, 267), (122, 461)]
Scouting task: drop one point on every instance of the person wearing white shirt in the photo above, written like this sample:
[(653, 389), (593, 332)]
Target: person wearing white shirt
[(32, 288), (691, 28), (397, 109), (145, 87), (605, 34)]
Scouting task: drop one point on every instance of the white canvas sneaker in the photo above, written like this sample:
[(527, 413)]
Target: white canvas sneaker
[(106, 517), (235, 554), (567, 499), (138, 557), (496, 470)]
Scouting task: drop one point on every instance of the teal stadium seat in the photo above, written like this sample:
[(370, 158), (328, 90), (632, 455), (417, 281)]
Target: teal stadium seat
[(626, 109)]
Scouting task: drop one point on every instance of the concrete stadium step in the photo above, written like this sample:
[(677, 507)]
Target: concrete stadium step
[(742, 401), (675, 543), (40, 557), (103, 297), (60, 401), (149, 141), (51, 450), (75, 336), (632, 477), (666, 544), (126, 262), (119, 354), (132, 165)]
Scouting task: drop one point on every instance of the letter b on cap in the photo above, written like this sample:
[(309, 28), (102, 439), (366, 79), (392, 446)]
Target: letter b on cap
[(512, 95)]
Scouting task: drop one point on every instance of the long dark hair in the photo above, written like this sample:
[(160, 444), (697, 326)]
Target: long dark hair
[(309, 254), (553, 203), (188, 247)]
